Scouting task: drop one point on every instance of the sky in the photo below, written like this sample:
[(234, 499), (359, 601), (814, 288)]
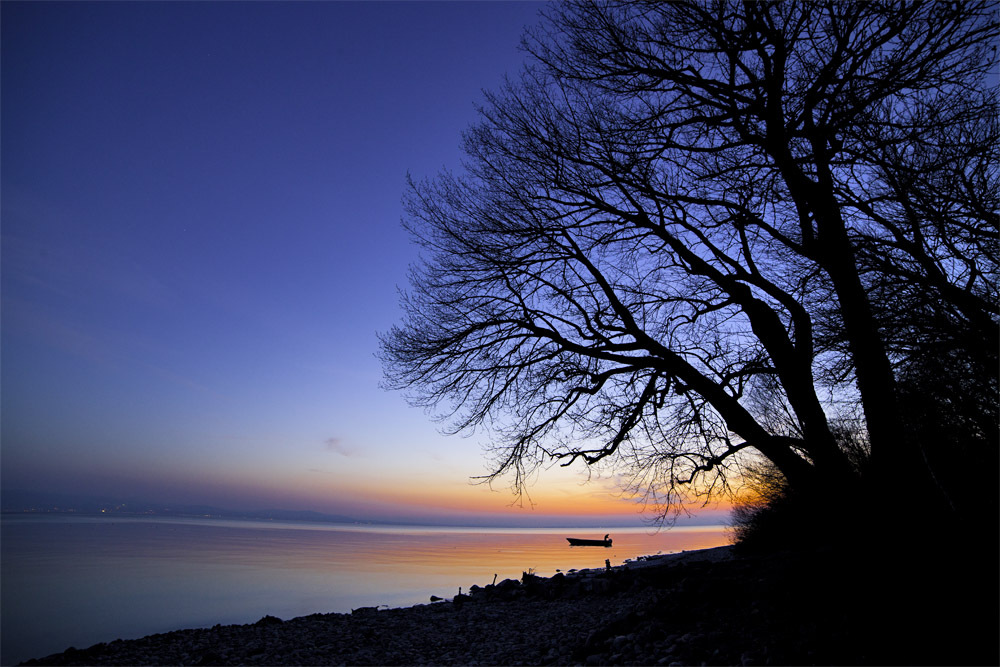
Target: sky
[(200, 236)]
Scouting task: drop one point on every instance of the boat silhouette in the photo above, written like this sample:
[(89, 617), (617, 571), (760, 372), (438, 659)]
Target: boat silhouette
[(578, 542)]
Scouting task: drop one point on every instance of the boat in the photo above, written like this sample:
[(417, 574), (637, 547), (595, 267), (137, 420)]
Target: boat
[(577, 542)]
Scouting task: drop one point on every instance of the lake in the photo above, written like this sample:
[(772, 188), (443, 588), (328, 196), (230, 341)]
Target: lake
[(75, 581)]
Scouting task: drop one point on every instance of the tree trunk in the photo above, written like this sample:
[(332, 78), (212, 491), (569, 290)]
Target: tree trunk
[(896, 461)]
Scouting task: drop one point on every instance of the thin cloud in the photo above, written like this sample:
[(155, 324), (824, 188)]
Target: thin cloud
[(337, 446)]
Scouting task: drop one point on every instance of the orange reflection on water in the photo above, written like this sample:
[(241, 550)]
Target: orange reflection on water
[(77, 581), (474, 557)]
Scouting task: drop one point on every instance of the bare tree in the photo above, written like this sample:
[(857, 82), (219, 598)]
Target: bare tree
[(687, 219)]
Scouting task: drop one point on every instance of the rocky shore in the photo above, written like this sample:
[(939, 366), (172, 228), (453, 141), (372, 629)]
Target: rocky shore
[(703, 607)]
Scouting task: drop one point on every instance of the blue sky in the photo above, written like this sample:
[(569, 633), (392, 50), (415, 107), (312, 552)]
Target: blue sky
[(201, 238)]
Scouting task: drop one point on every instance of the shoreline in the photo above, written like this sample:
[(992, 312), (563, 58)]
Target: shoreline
[(271, 640), (710, 606), (129, 580)]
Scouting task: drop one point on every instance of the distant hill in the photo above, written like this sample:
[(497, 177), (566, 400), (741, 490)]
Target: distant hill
[(32, 502), (29, 502)]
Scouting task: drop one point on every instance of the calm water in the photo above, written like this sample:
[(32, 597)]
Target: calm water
[(73, 581)]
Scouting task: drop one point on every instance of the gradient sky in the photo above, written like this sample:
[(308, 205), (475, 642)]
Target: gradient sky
[(201, 238)]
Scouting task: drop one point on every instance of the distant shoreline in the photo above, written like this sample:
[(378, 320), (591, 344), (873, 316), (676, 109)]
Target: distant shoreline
[(14, 502), (265, 518)]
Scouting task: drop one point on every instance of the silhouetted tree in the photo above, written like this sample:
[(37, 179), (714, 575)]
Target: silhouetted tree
[(694, 230)]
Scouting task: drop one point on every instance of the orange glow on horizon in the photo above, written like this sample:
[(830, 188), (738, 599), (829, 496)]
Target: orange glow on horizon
[(555, 498), (395, 496)]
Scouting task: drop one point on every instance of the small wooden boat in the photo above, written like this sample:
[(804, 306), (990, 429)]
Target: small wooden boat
[(577, 542)]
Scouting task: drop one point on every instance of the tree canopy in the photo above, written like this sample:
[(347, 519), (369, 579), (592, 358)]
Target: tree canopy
[(694, 233)]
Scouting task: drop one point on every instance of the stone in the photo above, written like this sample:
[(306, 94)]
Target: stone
[(269, 620)]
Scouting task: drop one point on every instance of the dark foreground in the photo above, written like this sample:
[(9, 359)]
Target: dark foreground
[(815, 607)]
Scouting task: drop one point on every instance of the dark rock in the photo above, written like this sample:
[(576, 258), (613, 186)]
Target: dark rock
[(269, 620), (210, 658)]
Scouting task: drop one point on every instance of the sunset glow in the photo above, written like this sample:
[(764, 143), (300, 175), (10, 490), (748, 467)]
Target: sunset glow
[(190, 304)]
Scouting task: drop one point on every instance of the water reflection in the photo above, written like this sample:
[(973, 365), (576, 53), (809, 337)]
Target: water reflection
[(78, 582)]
